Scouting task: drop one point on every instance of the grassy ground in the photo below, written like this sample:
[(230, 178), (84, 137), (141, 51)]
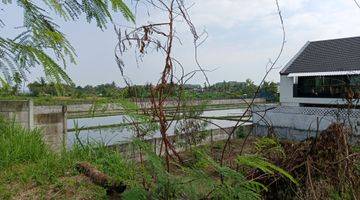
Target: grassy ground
[(29, 170)]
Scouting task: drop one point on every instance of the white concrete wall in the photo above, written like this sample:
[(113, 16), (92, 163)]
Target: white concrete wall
[(128, 150), (286, 91), (78, 109), (53, 127), (50, 119), (21, 112)]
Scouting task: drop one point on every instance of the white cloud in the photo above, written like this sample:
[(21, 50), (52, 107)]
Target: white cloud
[(230, 13), (241, 52), (244, 34)]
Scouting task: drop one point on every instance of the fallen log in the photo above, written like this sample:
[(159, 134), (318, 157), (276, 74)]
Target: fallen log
[(99, 178)]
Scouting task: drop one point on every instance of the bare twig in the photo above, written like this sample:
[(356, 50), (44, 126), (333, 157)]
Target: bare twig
[(258, 89)]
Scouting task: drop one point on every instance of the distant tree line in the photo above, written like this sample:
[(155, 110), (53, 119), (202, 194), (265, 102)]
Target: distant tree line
[(225, 89), (247, 89)]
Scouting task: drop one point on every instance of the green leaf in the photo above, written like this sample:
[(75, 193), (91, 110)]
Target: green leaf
[(41, 35), (258, 162)]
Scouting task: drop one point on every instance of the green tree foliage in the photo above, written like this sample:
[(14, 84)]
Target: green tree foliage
[(230, 86), (140, 91), (250, 88), (247, 89), (103, 90), (5, 89), (17, 80), (222, 90), (41, 88), (269, 90), (41, 43)]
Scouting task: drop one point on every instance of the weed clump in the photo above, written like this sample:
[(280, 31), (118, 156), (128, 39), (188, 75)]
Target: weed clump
[(325, 166)]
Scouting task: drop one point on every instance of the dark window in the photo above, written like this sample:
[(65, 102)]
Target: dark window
[(328, 86)]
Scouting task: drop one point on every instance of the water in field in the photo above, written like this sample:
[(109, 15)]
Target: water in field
[(118, 134)]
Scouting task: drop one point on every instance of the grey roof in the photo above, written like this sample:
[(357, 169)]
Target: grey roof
[(326, 56)]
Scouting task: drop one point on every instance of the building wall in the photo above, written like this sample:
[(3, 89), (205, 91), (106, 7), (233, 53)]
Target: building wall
[(286, 91)]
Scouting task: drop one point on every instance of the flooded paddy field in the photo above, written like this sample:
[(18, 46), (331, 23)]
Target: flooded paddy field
[(113, 130)]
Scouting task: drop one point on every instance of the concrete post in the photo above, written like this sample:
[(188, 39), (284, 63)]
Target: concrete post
[(64, 112), (30, 114)]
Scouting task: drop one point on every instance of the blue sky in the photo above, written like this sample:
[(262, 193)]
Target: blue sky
[(243, 36)]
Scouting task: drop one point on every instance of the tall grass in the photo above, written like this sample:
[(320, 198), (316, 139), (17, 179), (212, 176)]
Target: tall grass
[(26, 160), (18, 145)]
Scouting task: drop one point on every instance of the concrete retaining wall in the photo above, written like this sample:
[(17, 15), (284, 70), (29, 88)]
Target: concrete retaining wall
[(114, 107), (21, 112), (50, 119), (211, 136)]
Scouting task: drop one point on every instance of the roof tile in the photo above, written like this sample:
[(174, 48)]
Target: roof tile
[(328, 55)]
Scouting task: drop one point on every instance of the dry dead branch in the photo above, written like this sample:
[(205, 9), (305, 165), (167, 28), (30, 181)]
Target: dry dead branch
[(99, 178)]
